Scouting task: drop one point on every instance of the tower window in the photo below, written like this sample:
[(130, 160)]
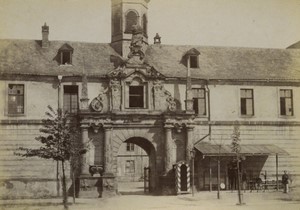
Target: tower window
[(131, 20), (286, 103), (145, 25)]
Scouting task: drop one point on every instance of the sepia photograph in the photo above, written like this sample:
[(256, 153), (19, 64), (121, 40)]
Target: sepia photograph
[(149, 104)]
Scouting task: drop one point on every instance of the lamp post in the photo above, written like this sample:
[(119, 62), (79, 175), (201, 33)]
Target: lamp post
[(192, 153)]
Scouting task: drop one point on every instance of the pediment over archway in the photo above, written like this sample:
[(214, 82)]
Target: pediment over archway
[(146, 71)]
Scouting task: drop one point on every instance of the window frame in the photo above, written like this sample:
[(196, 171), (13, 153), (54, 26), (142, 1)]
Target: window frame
[(196, 57), (24, 99), (131, 167), (204, 98), (128, 29), (136, 81), (62, 52), (70, 108), (240, 102), (129, 147), (292, 103)]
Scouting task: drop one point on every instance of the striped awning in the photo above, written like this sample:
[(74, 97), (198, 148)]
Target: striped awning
[(208, 149)]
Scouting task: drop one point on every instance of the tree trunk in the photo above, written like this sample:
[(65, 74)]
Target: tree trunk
[(64, 186), (240, 195), (74, 187)]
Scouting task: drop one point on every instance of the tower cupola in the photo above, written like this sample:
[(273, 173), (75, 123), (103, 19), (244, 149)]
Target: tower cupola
[(125, 15)]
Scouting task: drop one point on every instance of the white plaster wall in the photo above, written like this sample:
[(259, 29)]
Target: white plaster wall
[(38, 95)]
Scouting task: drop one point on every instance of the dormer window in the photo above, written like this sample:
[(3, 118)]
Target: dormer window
[(194, 61), (191, 58), (65, 54)]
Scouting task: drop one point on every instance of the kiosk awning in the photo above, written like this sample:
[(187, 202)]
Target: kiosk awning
[(208, 149)]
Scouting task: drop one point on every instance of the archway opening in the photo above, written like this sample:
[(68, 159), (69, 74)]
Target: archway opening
[(135, 157)]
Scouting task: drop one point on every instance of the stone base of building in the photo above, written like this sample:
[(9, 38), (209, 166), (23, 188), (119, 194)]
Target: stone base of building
[(28, 188), (97, 186), (167, 184)]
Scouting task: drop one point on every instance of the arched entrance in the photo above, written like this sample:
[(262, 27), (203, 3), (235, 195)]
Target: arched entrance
[(134, 155)]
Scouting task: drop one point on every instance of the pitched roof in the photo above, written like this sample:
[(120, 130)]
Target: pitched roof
[(28, 57), (227, 62), (294, 46)]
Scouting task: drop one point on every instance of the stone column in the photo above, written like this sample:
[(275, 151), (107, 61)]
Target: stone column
[(107, 149), (168, 148), (189, 142), (85, 140)]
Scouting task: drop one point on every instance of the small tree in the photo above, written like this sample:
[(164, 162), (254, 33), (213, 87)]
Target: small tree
[(60, 143), (236, 148)]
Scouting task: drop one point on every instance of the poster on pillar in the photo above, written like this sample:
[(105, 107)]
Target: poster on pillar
[(182, 177)]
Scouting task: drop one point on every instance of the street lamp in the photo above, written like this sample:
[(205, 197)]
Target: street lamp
[(193, 153)]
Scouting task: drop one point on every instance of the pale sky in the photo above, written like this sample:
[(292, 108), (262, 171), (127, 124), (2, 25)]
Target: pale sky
[(240, 23)]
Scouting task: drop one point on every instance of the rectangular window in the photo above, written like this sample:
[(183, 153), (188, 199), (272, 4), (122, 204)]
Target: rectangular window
[(71, 98), (129, 167), (286, 103), (15, 99), (66, 57), (136, 96), (194, 61), (199, 101), (247, 105), (130, 147)]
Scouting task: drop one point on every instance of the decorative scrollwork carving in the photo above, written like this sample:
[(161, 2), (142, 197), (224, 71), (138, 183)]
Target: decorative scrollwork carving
[(97, 103), (171, 102)]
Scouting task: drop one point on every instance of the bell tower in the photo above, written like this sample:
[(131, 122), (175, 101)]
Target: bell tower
[(125, 14)]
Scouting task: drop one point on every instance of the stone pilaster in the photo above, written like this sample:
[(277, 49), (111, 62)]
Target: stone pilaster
[(85, 140), (107, 149), (189, 142), (84, 100), (168, 148), (189, 93)]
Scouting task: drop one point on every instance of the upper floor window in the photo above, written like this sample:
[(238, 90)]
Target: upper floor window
[(71, 98), (136, 93), (65, 54), (247, 103), (131, 19), (129, 147), (136, 96), (286, 102), (199, 101), (15, 99)]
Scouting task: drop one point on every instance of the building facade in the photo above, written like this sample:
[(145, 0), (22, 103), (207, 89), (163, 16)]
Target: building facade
[(168, 100)]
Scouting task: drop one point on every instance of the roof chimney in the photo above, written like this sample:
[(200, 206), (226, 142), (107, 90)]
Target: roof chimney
[(45, 36), (157, 39)]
